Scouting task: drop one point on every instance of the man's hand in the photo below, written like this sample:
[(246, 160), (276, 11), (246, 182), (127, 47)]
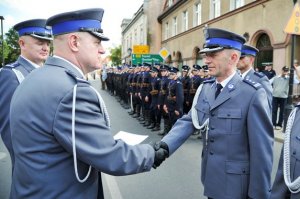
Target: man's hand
[(161, 153)]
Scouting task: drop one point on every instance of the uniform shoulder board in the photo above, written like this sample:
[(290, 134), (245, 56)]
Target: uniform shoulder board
[(260, 75), (73, 75), (209, 81), (255, 85), (12, 65), (178, 82)]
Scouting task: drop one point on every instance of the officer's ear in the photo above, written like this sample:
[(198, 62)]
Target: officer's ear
[(234, 57), (73, 41)]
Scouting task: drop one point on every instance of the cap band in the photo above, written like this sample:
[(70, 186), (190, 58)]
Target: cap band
[(248, 52), (72, 26), (223, 43), (36, 30)]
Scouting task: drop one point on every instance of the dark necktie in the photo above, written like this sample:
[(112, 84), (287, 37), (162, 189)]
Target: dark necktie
[(219, 88)]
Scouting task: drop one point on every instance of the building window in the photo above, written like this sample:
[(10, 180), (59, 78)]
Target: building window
[(135, 36), (185, 21), (174, 26), (167, 30), (141, 35), (234, 4), (215, 8), (197, 14), (170, 3)]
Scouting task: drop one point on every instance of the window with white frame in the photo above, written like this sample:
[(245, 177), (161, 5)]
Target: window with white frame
[(135, 36), (167, 30), (234, 4), (215, 8), (174, 32), (141, 35), (170, 3), (185, 21), (197, 14)]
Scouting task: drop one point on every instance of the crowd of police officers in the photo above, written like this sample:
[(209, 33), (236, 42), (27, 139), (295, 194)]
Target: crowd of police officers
[(157, 92)]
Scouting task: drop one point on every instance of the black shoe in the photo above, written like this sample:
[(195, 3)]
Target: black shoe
[(151, 126), (135, 115), (157, 128)]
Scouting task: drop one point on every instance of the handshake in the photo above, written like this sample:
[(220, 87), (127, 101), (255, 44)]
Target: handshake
[(161, 153)]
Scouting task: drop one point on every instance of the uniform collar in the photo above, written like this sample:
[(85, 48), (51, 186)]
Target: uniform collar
[(78, 69), (225, 81), (33, 64), (245, 73)]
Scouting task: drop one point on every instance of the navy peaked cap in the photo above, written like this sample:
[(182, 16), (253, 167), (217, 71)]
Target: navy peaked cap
[(164, 67), (218, 39), (285, 68), (154, 69), (205, 68), (156, 63), (249, 50), (86, 20), (146, 64), (173, 69), (185, 68), (196, 67), (35, 28)]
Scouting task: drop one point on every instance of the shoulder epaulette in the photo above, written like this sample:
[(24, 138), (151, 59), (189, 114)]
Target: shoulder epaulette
[(12, 65), (254, 84), (73, 75), (178, 82), (259, 74), (209, 81)]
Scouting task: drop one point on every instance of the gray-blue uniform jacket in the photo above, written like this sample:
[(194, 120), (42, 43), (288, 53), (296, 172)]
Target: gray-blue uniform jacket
[(237, 153), (279, 189), (264, 81), (41, 121), (10, 77)]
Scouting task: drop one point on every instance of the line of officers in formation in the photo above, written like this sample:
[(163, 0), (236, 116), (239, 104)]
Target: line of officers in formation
[(156, 92)]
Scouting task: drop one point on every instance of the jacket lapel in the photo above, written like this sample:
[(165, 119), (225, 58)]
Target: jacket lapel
[(226, 93)]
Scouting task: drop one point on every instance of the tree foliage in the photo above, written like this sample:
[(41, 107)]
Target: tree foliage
[(11, 46), (115, 56)]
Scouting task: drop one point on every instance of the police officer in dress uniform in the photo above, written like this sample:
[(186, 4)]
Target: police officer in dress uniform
[(245, 66), (145, 94), (206, 74), (164, 81), (195, 82), (60, 127), (287, 181), (237, 151), (174, 102), (34, 41), (185, 79), (155, 80)]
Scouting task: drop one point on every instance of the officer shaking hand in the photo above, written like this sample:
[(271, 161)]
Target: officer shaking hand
[(237, 151), (60, 127)]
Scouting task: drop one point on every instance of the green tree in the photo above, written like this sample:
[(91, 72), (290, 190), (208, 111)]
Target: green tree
[(13, 48), (115, 56)]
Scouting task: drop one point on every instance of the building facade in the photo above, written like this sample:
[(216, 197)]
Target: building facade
[(261, 22), (142, 29)]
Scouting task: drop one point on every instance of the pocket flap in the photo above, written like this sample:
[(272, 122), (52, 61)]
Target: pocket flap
[(230, 113), (236, 167)]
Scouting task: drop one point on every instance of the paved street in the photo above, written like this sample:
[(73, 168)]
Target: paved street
[(177, 178)]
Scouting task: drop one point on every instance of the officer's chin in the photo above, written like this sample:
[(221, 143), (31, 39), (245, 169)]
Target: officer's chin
[(93, 68)]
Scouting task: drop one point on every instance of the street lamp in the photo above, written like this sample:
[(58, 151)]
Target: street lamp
[(2, 39)]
